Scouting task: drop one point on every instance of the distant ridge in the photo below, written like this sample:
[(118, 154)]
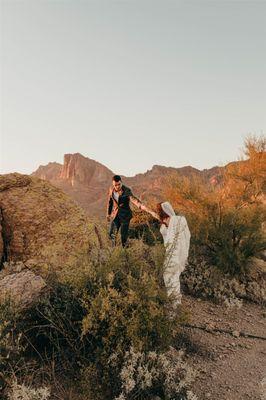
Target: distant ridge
[(87, 180)]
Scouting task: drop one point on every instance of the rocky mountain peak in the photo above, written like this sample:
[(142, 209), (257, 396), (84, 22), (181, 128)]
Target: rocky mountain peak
[(78, 169)]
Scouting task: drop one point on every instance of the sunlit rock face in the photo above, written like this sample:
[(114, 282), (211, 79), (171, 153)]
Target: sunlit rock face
[(83, 179), (81, 170), (40, 224)]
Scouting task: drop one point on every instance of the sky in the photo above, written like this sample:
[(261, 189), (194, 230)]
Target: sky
[(130, 83)]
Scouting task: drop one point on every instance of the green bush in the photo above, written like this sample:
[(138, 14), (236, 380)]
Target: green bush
[(225, 211), (111, 301), (145, 228), (12, 344), (48, 332), (229, 241), (152, 374), (126, 305), (207, 281)]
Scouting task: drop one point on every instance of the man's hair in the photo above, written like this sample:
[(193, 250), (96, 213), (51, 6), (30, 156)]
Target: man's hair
[(116, 178)]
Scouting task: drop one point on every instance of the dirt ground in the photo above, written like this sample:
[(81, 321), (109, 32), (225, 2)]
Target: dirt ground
[(229, 367)]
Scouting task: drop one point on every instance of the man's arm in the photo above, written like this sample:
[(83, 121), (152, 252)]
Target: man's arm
[(138, 203), (134, 200)]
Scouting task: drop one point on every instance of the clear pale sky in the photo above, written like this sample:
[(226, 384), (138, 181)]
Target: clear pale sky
[(130, 83)]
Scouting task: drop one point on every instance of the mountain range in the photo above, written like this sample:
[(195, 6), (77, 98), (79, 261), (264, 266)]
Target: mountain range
[(87, 181)]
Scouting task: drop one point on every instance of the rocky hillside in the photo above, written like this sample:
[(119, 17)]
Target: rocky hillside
[(39, 224), (87, 181)]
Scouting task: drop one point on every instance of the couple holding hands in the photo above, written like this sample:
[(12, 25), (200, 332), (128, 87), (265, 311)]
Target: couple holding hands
[(174, 230)]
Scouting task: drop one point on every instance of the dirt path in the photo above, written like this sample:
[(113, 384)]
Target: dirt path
[(230, 368)]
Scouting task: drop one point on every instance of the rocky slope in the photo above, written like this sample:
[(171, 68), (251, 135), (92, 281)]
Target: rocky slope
[(39, 224), (87, 181)]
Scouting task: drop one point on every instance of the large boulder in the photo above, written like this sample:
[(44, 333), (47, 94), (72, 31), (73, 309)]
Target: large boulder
[(40, 225)]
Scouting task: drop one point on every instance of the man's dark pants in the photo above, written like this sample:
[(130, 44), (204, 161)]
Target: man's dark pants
[(121, 224)]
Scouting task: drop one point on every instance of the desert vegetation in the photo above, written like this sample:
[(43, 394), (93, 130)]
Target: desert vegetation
[(105, 328), (226, 216), (105, 325)]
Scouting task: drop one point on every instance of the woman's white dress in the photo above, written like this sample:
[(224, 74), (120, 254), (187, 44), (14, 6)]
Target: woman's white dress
[(176, 239)]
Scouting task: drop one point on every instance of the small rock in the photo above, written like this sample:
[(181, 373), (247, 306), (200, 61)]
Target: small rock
[(236, 334), (24, 288)]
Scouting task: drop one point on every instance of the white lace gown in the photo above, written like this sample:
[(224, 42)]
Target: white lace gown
[(177, 241)]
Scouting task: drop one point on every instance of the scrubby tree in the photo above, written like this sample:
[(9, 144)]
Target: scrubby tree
[(226, 213)]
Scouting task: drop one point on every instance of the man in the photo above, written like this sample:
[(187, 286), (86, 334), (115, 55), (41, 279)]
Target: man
[(118, 209)]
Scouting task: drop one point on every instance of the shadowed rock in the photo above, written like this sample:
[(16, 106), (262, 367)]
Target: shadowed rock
[(20, 285)]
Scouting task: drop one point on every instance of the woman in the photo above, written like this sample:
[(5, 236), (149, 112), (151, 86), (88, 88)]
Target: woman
[(176, 237)]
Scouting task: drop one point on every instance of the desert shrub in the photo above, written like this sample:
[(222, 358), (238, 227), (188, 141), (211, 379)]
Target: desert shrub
[(12, 345), (145, 228), (53, 326), (146, 375), (47, 332), (225, 212), (230, 243), (113, 301), (207, 281), (23, 392), (126, 305)]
